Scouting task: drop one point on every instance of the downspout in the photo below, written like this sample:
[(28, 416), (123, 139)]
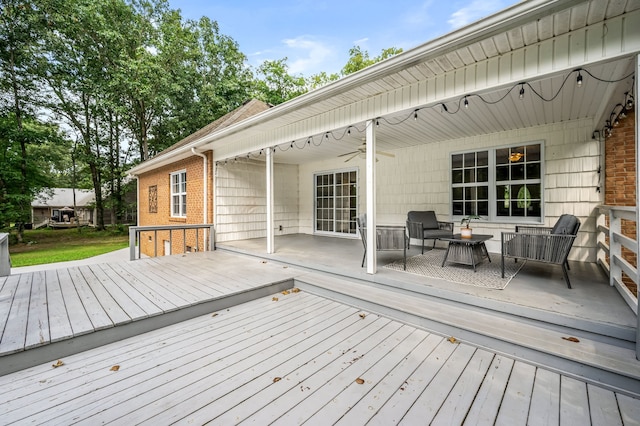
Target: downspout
[(205, 198)]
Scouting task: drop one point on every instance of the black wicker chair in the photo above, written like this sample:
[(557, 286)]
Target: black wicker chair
[(423, 225), (542, 244)]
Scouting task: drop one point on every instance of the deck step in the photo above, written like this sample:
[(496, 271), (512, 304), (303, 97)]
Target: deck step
[(606, 361)]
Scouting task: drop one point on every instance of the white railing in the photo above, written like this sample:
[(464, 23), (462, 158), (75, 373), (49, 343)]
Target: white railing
[(5, 258), (135, 231), (617, 264)]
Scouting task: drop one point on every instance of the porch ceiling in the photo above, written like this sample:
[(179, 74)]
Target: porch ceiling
[(594, 99)]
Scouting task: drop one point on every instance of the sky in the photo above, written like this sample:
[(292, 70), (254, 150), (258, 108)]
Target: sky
[(316, 35)]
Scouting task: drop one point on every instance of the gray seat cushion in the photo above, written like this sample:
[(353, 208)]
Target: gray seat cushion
[(428, 218)]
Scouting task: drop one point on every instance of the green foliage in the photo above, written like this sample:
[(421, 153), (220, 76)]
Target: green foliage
[(277, 85), (359, 59), (18, 189)]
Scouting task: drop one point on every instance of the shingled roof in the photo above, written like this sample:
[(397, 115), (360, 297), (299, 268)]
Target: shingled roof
[(246, 110)]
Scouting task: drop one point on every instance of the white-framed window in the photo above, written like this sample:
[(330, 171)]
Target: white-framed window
[(179, 194), (499, 184), (336, 201)]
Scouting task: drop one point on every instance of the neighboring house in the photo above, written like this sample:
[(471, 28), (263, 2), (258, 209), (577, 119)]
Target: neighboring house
[(63, 207), (508, 118)]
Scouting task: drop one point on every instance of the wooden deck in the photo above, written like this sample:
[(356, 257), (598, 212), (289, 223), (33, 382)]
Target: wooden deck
[(302, 358), (67, 307), (201, 338)]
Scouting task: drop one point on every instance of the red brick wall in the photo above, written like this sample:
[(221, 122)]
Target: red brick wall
[(151, 242), (620, 183)]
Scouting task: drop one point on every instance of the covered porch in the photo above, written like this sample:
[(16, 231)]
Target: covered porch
[(537, 291)]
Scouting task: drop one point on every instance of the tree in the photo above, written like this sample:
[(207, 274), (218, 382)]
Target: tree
[(277, 85), (30, 169), (359, 59), (21, 27)]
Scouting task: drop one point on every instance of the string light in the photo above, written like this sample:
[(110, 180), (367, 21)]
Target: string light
[(606, 131), (579, 78)]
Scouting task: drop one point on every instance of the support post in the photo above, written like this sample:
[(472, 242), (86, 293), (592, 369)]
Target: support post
[(270, 203), (132, 242), (370, 164)]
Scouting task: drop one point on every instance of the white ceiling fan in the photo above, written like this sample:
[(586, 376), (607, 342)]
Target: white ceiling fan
[(362, 152)]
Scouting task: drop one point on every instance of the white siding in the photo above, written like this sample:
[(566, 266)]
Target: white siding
[(241, 197)]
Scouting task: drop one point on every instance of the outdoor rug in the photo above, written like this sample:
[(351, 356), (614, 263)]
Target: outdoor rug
[(487, 275)]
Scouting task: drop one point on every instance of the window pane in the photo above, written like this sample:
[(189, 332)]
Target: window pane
[(457, 194), (502, 173), (456, 161), (469, 175), (458, 208), (483, 208), (470, 193), (502, 156), (533, 171), (517, 172), (533, 152), (483, 158), (470, 159), (456, 176), (483, 174), (483, 193)]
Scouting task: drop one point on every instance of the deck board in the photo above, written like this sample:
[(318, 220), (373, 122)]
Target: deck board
[(574, 402), (517, 398), (96, 313), (545, 399), (220, 367), (59, 323), (485, 407), (455, 408), (38, 321), (7, 293), (15, 331), (121, 298), (111, 307)]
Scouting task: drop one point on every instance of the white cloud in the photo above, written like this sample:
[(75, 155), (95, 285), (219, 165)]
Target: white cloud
[(307, 56), (476, 10)]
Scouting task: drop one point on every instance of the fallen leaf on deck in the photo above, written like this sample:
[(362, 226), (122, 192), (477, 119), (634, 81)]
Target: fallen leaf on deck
[(277, 379), (58, 364), (363, 315), (115, 368), (275, 299), (572, 339), (360, 381), (296, 290), (452, 339), (286, 292)]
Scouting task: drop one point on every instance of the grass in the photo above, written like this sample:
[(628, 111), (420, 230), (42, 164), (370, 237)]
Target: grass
[(61, 245)]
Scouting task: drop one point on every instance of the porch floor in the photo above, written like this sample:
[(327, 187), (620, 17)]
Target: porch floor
[(537, 291)]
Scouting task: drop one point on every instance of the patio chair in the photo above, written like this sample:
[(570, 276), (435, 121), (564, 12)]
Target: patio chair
[(542, 244), (388, 237), (424, 225)]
